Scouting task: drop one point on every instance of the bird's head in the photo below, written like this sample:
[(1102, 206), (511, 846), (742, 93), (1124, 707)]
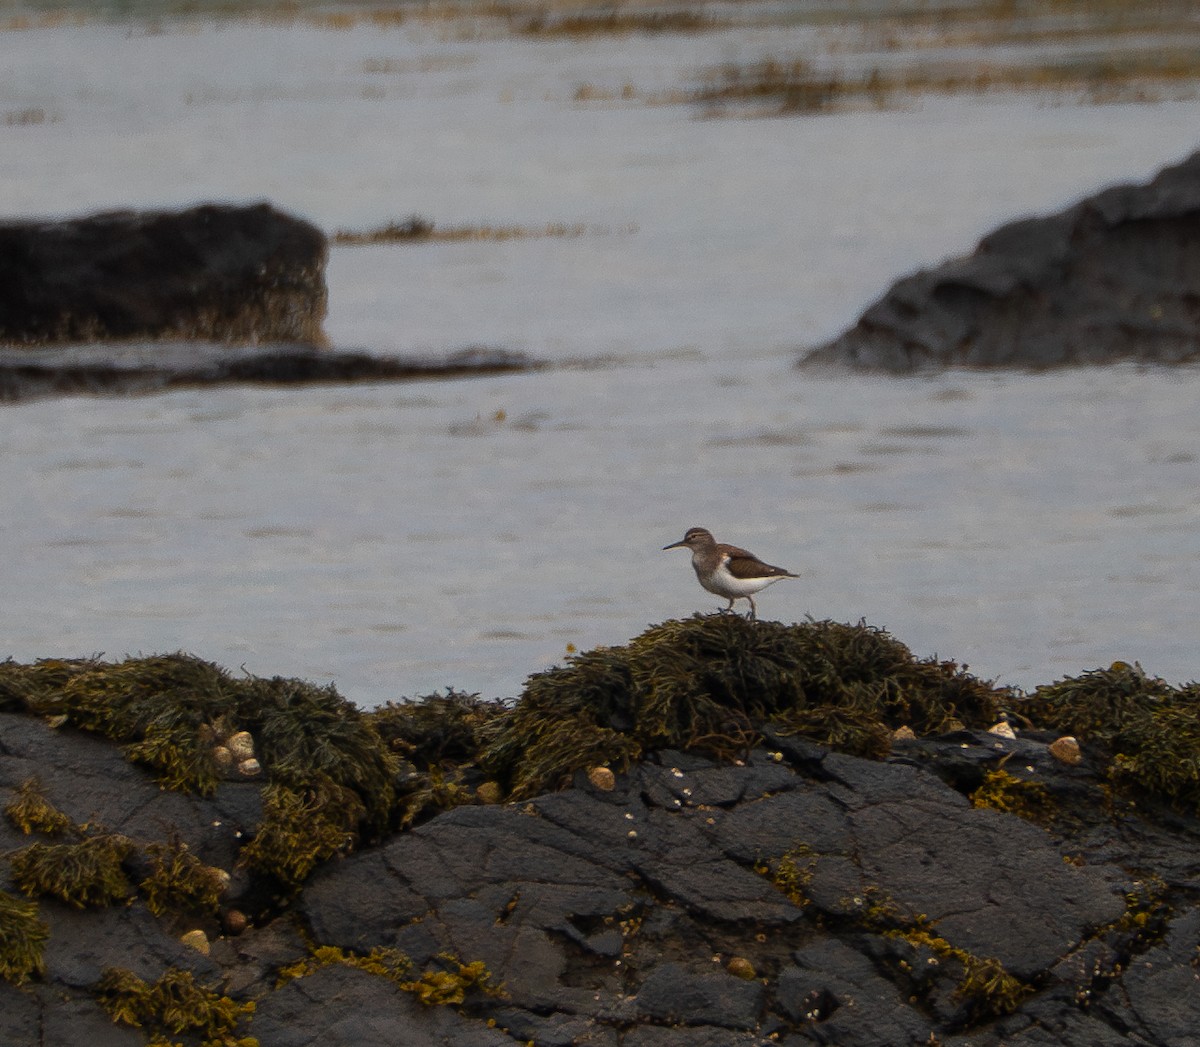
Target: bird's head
[(696, 538)]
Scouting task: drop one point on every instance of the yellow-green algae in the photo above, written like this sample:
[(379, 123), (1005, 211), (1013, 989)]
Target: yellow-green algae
[(300, 829), (791, 873), (323, 758), (987, 989), (1001, 791), (448, 985), (85, 874), (178, 880), (1149, 730), (438, 739), (22, 937), (175, 1004), (30, 811), (709, 683)]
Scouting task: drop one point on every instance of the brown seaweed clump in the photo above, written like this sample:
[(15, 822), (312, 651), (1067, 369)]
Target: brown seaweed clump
[(174, 1004), (31, 812), (1148, 731), (437, 739), (22, 937), (86, 874), (710, 683), (329, 779)]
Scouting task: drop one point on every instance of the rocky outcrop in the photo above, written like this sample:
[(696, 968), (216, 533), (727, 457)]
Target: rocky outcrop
[(218, 273), (967, 887), (1115, 277), (154, 367)]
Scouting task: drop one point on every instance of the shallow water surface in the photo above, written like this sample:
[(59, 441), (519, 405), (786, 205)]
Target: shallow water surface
[(397, 538)]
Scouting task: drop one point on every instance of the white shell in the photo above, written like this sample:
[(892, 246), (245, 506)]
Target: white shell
[(241, 744)]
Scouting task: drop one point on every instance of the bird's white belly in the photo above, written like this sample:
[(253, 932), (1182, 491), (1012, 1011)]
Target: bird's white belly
[(725, 584)]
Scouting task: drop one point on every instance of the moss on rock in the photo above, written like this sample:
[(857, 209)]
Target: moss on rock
[(84, 874), (31, 812), (300, 829), (1148, 730), (22, 937), (178, 880), (709, 683), (175, 1004)]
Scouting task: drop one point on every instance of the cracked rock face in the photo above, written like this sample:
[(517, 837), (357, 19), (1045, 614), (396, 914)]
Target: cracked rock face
[(872, 901), (623, 907)]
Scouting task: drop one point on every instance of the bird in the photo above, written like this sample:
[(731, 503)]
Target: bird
[(727, 570)]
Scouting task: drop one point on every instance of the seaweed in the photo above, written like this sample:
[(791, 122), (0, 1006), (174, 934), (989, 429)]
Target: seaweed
[(447, 985), (310, 737), (174, 1004), (436, 730), (437, 738), (22, 938), (451, 985), (179, 880), (299, 830), (1148, 730), (30, 811), (1001, 791), (382, 961), (709, 683), (37, 687), (85, 874), (986, 988), (791, 873), (323, 757)]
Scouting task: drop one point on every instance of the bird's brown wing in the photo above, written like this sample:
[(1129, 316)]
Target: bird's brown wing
[(743, 564)]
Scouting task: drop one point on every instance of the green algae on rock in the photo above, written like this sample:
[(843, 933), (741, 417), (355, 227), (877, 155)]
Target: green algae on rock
[(22, 937), (180, 880), (174, 1004), (30, 811), (437, 739), (1148, 730), (300, 829), (84, 874), (330, 780), (710, 682), (447, 985)]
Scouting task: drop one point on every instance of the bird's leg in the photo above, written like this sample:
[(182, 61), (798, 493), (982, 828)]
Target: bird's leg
[(727, 610), (753, 610)]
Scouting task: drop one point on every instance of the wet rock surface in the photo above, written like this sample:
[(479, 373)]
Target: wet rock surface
[(217, 272), (870, 901), (1114, 277)]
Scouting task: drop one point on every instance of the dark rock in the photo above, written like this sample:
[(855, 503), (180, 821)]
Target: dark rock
[(148, 367), (342, 1005), (223, 273), (837, 996), (674, 993), (1115, 277), (1159, 995), (862, 893)]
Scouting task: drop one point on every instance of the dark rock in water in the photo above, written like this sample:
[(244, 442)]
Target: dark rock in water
[(220, 273), (1115, 277), (153, 367)]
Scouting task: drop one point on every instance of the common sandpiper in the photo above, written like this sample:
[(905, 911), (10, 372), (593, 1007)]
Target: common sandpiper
[(727, 570)]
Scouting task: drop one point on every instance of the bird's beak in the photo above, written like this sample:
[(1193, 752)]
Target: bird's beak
[(674, 545)]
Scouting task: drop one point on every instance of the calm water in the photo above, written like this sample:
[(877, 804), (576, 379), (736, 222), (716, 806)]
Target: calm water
[(401, 538)]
